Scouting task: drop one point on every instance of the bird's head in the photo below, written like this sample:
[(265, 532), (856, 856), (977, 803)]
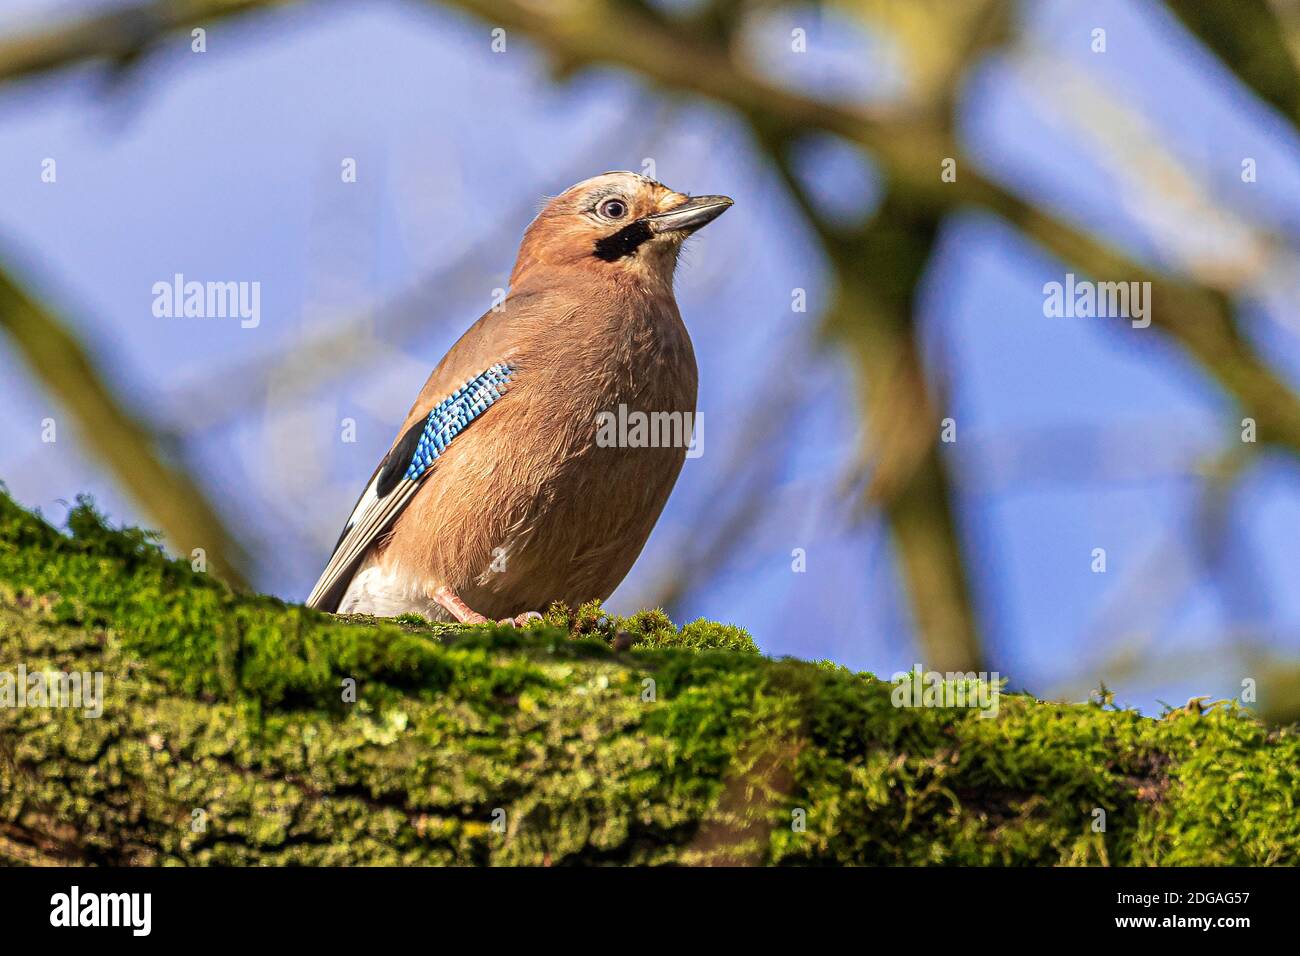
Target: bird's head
[(619, 226)]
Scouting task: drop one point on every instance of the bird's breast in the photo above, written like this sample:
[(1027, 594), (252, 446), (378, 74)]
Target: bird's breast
[(552, 495)]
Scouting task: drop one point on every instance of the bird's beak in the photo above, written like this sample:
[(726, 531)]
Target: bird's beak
[(689, 216)]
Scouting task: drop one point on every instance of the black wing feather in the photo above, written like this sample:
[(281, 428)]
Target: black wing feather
[(395, 463)]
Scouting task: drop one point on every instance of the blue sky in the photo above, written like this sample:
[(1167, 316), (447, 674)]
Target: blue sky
[(1072, 435)]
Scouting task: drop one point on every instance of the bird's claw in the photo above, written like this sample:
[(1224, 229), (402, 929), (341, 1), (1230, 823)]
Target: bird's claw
[(521, 620)]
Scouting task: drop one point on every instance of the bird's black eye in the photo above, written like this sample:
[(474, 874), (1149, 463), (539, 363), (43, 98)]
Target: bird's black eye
[(612, 209)]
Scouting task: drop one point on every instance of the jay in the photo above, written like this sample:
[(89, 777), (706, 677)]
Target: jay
[(496, 498)]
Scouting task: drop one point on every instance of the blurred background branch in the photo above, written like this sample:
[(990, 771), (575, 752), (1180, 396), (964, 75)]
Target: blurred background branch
[(119, 35), (1250, 39), (119, 438)]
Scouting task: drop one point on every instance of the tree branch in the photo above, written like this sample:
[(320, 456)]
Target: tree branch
[(123, 443), (116, 35)]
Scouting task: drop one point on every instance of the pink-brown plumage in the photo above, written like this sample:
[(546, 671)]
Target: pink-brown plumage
[(525, 507)]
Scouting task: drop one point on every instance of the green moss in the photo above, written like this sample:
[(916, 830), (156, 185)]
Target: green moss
[(240, 730), (648, 628)]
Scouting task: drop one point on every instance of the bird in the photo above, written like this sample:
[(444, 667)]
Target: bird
[(498, 497)]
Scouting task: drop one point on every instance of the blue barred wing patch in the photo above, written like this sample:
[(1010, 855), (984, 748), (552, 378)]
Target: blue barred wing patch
[(450, 417)]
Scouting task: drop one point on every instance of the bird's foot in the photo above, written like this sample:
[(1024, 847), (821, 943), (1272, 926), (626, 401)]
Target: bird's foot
[(521, 620), (450, 601)]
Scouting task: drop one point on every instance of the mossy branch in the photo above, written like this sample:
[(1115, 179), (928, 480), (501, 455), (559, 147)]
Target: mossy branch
[(230, 735)]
